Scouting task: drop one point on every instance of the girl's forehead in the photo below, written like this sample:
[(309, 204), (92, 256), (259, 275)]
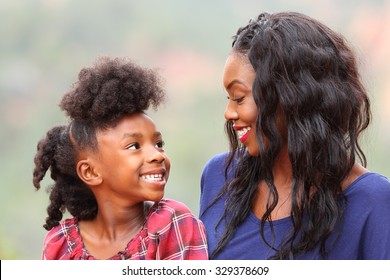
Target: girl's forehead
[(133, 124)]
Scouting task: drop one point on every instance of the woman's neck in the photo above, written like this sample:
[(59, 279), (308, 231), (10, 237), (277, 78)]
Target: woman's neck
[(282, 172)]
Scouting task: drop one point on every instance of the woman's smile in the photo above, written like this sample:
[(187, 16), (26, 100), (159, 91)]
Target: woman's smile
[(242, 132)]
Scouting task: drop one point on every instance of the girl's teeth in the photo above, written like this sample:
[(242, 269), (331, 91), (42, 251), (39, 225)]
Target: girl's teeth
[(152, 177)]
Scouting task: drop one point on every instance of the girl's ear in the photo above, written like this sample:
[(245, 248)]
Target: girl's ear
[(88, 173)]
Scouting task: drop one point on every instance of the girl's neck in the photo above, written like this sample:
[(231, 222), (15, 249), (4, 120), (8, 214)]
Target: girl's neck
[(112, 229), (111, 223)]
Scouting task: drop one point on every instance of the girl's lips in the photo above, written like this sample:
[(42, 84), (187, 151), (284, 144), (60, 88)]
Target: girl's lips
[(155, 182)]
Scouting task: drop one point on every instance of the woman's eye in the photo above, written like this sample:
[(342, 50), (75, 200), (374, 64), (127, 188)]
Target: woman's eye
[(160, 144), (238, 100), (133, 146)]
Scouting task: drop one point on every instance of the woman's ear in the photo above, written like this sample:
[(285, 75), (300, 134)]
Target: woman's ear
[(88, 173)]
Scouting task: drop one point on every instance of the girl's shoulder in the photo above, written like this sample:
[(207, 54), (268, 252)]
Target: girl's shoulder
[(167, 212), (169, 207), (61, 240), (64, 229)]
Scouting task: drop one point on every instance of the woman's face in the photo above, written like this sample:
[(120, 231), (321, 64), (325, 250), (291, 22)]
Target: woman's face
[(238, 79)]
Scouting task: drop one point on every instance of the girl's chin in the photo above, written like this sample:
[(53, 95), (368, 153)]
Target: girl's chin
[(155, 198)]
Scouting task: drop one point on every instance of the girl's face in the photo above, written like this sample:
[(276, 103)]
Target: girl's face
[(238, 78), (131, 159)]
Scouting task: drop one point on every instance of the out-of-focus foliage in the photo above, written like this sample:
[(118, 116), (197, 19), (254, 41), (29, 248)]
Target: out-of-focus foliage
[(44, 43)]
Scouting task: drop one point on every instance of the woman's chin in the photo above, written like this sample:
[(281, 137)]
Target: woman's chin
[(254, 152)]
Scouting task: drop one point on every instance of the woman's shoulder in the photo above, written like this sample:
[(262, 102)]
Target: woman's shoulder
[(370, 193), (215, 166), (367, 216), (370, 184), (217, 160)]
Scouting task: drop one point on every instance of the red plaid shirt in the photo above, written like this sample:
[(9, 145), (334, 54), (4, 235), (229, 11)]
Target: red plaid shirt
[(170, 232)]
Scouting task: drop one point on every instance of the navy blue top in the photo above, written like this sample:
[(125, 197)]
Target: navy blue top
[(365, 231)]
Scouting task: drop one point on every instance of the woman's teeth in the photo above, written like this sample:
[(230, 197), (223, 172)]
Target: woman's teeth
[(243, 131)]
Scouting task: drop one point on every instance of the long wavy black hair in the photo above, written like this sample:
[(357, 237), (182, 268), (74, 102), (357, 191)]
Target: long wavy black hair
[(103, 94), (309, 73)]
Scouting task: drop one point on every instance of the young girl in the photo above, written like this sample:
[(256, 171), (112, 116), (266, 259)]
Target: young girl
[(292, 186), (109, 170)]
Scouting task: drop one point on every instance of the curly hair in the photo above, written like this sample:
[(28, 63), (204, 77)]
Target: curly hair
[(103, 94), (309, 73)]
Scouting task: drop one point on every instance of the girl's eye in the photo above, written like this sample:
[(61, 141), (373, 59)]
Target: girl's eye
[(133, 146), (160, 144)]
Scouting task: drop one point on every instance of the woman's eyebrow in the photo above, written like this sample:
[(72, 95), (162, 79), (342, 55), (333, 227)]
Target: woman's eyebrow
[(235, 81)]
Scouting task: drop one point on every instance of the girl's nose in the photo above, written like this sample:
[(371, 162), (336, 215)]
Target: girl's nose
[(155, 155)]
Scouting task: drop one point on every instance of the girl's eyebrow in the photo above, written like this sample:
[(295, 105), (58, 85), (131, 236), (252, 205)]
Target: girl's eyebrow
[(138, 135), (132, 135)]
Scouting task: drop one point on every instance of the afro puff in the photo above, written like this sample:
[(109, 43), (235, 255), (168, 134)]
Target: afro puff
[(111, 89)]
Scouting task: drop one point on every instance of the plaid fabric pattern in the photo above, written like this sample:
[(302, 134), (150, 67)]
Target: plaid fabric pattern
[(170, 232)]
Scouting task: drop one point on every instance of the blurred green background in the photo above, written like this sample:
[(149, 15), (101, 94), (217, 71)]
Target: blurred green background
[(44, 43)]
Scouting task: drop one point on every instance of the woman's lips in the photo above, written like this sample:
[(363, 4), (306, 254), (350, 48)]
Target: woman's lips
[(242, 132)]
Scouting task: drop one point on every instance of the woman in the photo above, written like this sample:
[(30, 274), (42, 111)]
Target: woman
[(291, 187)]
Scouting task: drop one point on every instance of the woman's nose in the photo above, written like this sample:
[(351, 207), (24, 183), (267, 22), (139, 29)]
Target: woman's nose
[(231, 112)]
